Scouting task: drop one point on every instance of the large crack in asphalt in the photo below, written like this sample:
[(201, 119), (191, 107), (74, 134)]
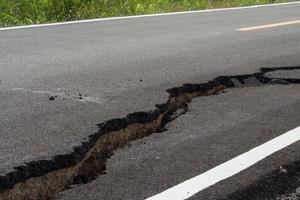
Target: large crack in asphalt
[(44, 178)]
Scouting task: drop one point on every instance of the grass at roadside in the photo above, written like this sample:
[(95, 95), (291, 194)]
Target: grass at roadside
[(20, 12)]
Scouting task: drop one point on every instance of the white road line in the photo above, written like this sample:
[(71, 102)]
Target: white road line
[(194, 185), (148, 15)]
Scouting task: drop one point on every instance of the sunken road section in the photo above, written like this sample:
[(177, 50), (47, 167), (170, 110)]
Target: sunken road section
[(44, 178)]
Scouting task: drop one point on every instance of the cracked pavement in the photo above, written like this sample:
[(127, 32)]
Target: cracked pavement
[(126, 66), (215, 129)]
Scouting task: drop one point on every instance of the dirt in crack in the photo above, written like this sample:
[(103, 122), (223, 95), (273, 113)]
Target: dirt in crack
[(45, 178)]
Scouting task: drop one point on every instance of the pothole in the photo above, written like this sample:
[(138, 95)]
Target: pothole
[(44, 178)]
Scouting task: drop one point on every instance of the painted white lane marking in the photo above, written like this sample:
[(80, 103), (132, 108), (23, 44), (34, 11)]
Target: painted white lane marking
[(194, 185), (146, 15), (253, 28)]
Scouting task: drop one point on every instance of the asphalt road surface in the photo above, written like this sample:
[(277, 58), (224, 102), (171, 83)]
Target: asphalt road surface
[(101, 70)]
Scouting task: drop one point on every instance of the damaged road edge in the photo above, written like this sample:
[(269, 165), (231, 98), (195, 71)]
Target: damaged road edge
[(45, 178)]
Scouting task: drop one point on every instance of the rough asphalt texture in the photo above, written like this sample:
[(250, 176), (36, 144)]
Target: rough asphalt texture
[(216, 129), (105, 70)]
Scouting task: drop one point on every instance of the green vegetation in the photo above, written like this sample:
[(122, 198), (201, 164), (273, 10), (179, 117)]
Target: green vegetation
[(19, 12)]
